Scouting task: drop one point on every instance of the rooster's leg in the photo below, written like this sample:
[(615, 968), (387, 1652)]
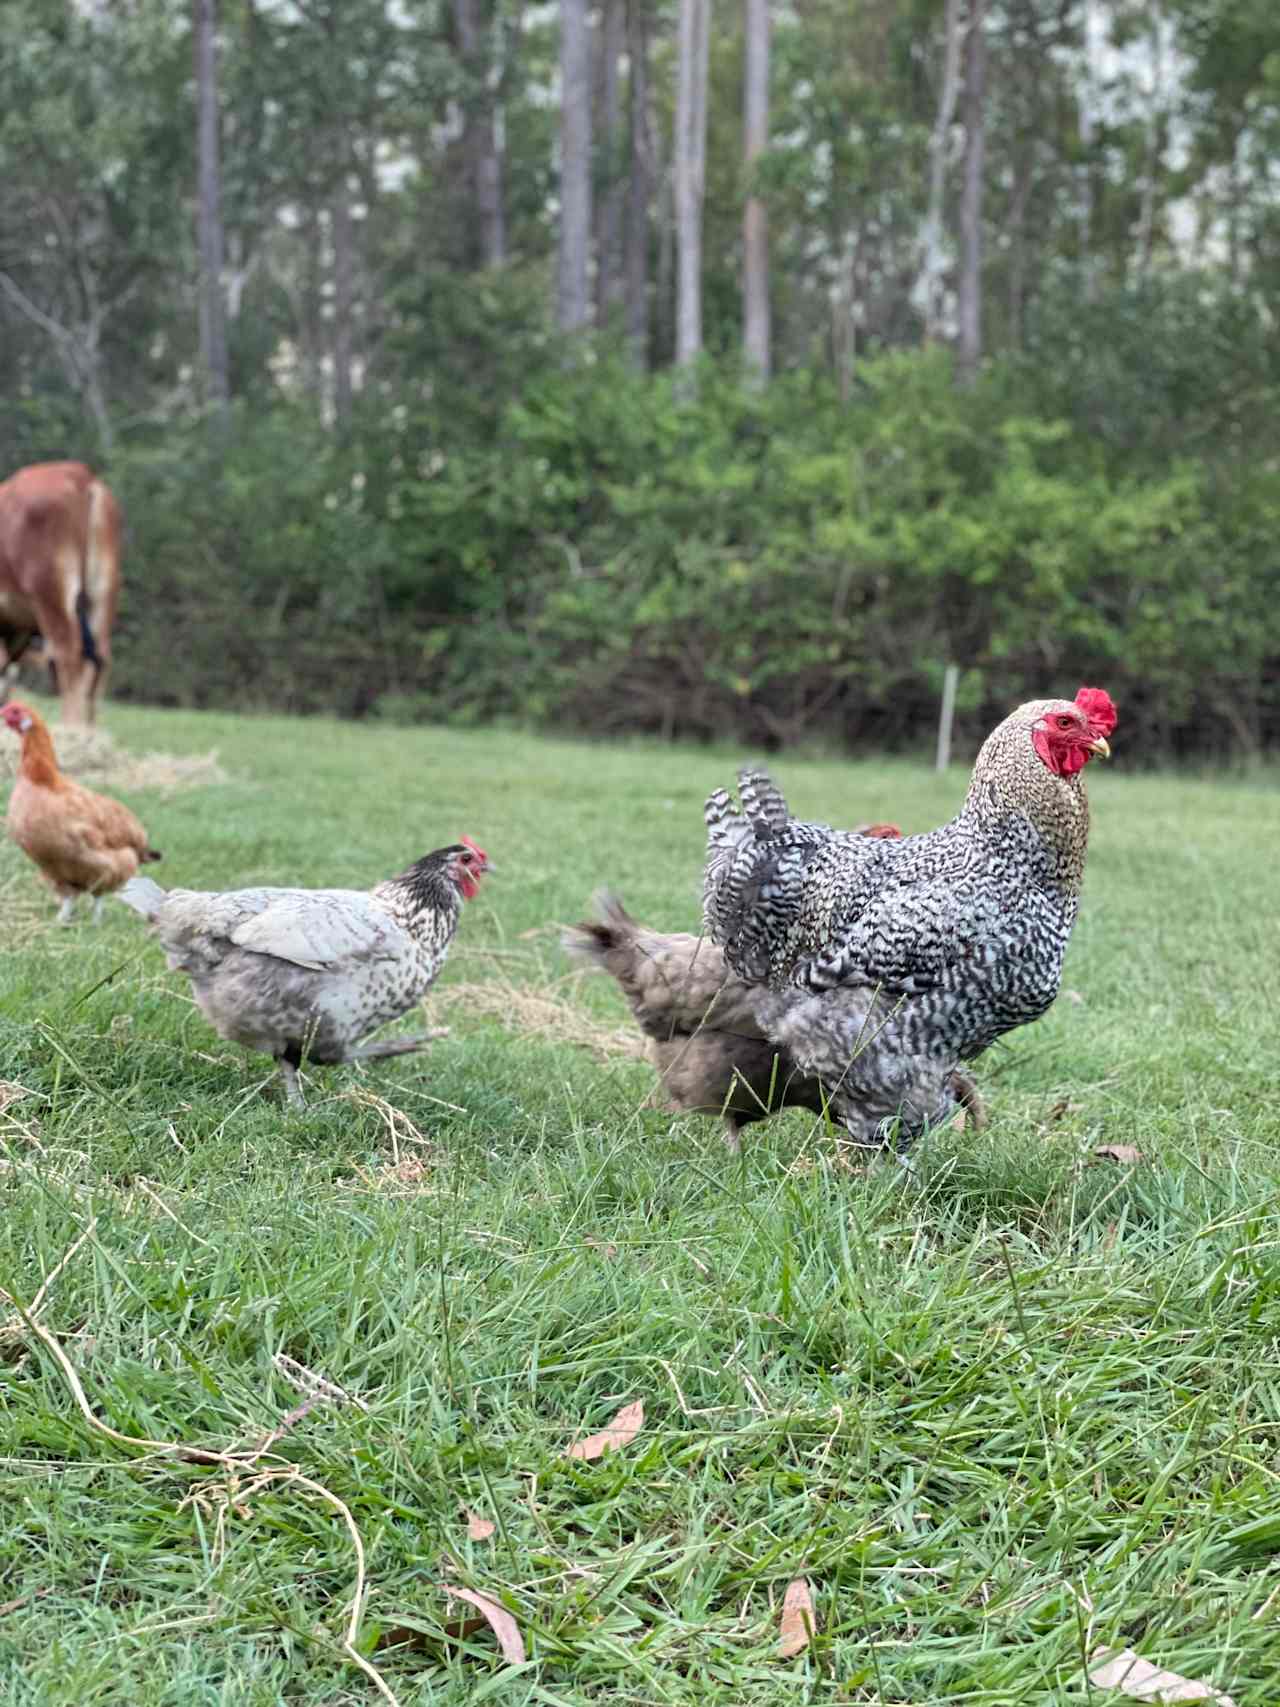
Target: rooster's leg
[(292, 1089), (396, 1045)]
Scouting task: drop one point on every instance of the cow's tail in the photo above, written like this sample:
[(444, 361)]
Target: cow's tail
[(96, 570)]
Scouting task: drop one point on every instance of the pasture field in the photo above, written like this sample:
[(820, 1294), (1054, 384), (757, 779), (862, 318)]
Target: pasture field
[(1020, 1407)]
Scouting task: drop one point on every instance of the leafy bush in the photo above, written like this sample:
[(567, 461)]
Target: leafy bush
[(763, 566)]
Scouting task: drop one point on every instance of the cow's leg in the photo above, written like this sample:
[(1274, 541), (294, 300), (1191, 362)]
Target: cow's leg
[(73, 670), (97, 678), (11, 651)]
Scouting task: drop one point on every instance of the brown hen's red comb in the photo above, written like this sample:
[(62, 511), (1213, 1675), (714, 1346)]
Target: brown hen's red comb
[(1099, 709)]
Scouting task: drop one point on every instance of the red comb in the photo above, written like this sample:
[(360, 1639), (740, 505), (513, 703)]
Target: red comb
[(1098, 707), (475, 846)]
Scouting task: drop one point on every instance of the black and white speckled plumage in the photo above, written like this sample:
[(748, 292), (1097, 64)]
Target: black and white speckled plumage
[(885, 963), (309, 972)]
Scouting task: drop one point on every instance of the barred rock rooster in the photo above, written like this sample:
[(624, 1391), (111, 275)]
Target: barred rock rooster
[(306, 973), (81, 843), (887, 963), (708, 1048)]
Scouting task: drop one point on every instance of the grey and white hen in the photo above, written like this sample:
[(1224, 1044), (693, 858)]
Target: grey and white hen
[(887, 963), (306, 973)]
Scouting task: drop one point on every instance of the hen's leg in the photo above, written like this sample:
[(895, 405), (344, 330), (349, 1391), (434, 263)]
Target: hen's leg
[(732, 1129), (970, 1098), (95, 917), (292, 1089), (396, 1046), (67, 908)]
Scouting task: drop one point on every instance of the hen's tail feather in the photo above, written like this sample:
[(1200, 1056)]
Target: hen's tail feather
[(142, 894), (594, 938), (763, 803)]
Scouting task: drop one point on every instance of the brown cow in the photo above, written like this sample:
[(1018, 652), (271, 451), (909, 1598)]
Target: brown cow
[(60, 577)]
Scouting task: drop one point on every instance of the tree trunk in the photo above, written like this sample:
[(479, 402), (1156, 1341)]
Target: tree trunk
[(482, 142), (931, 258), (213, 324), (639, 186), (574, 306), (1085, 99), (755, 228), (343, 298), (609, 206), (1016, 234), (975, 80), (1152, 147), (690, 174)]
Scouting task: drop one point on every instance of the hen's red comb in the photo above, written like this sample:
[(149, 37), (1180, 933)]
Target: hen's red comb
[(476, 848), (1099, 708)]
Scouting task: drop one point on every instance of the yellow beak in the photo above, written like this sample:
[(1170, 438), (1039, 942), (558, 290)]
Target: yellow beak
[(1100, 747)]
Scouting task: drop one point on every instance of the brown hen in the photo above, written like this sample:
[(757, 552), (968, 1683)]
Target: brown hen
[(82, 843)]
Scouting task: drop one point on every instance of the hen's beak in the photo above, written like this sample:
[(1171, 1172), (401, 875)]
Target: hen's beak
[(1100, 747)]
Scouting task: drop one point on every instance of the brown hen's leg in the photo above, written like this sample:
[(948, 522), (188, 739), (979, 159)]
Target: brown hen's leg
[(67, 908), (396, 1046)]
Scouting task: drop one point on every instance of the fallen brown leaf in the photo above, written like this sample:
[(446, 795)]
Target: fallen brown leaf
[(620, 1432), (409, 1636), (15, 1605), (478, 1528), (1126, 1153), (497, 1618), (798, 1624), (1137, 1677)]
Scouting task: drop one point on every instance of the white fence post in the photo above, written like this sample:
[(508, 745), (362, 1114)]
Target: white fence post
[(947, 716)]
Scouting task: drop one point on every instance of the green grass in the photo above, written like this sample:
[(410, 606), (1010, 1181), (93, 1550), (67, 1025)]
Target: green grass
[(1022, 1405)]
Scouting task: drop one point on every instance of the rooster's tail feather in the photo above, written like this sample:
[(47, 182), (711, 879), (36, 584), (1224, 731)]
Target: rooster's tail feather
[(763, 803)]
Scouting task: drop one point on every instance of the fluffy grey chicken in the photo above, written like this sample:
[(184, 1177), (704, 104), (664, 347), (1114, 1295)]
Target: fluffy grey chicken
[(887, 963), (705, 1042), (306, 973)]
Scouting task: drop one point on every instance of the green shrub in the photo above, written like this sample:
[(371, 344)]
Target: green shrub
[(763, 567)]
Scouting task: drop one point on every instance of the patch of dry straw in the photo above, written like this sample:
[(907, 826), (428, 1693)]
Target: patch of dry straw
[(26, 913), (92, 757), (545, 1011)]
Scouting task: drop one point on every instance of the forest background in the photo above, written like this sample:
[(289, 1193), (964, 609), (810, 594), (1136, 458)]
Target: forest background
[(697, 369)]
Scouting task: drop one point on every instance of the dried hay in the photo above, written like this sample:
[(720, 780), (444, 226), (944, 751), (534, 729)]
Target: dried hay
[(11, 1092), (545, 1012), (92, 757), (26, 912)]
